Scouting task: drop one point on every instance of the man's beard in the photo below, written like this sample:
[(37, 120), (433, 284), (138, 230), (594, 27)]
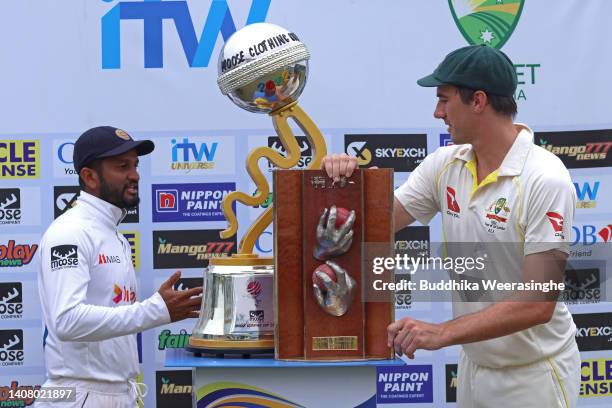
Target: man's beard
[(116, 196)]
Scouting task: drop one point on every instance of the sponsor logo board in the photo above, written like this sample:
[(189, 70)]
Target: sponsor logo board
[(63, 166), (578, 149), (11, 300), (18, 251), (20, 206), (305, 159), (190, 202), (187, 155), (133, 238), (594, 331), (11, 348), (173, 388), (19, 159), (402, 152), (189, 248), (451, 382), (596, 378), (404, 384), (582, 286), (65, 197)]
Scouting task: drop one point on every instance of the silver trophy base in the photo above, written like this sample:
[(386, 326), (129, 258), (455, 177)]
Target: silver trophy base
[(231, 347), (237, 314)]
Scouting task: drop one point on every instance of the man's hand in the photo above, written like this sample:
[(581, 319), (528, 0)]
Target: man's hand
[(338, 165), (408, 335), (333, 241), (181, 304), (335, 297)]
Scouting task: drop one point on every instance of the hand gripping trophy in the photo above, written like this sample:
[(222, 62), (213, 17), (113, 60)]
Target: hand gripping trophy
[(263, 68)]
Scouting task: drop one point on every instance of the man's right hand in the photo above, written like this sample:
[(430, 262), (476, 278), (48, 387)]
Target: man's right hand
[(339, 165), (181, 304)]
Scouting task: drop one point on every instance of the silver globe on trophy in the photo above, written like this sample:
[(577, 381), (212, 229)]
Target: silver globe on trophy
[(262, 68)]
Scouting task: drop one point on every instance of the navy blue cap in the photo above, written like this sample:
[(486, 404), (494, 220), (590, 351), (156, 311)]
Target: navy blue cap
[(106, 141)]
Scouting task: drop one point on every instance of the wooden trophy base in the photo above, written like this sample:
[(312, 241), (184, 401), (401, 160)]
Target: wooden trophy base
[(303, 330)]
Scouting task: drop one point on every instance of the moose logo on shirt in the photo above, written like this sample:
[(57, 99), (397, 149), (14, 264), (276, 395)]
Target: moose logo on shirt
[(64, 256)]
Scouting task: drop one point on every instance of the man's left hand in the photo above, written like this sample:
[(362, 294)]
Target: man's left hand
[(408, 335)]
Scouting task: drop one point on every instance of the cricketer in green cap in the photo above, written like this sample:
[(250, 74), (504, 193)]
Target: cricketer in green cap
[(476, 67), (496, 188), (476, 87)]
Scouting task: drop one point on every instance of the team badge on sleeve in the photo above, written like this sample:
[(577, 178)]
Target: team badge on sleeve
[(64, 256), (556, 220)]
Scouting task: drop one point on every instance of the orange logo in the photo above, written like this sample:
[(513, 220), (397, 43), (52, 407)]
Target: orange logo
[(125, 294)]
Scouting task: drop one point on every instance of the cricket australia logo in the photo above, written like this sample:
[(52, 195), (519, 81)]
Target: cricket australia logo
[(64, 256), (489, 22), (497, 216)]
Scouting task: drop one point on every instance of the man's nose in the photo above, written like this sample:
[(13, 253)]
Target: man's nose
[(134, 174)]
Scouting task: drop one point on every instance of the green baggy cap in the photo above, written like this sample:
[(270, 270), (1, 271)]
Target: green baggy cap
[(477, 67)]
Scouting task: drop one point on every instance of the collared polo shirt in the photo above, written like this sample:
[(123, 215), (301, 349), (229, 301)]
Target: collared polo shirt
[(526, 206)]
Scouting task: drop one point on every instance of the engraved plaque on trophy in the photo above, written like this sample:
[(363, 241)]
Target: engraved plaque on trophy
[(325, 235)]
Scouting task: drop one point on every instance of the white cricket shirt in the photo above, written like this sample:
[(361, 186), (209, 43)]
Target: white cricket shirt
[(526, 206), (88, 293)]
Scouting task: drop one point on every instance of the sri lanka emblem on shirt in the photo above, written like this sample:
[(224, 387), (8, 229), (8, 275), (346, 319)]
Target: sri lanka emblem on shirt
[(497, 215)]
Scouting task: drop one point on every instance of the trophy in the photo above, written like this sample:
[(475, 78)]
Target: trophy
[(262, 68), (326, 235)]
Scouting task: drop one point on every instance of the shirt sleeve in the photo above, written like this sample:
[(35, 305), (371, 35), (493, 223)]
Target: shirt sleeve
[(418, 193), (550, 212), (63, 283)]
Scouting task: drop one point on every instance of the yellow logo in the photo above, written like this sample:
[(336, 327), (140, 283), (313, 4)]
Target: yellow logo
[(122, 134), (360, 150), (133, 238), (596, 378), (19, 159)]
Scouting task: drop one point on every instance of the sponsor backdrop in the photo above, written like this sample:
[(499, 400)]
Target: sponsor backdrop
[(150, 67)]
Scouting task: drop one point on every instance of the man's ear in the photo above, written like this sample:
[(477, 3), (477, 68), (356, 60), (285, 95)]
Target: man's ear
[(479, 101), (91, 178)]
